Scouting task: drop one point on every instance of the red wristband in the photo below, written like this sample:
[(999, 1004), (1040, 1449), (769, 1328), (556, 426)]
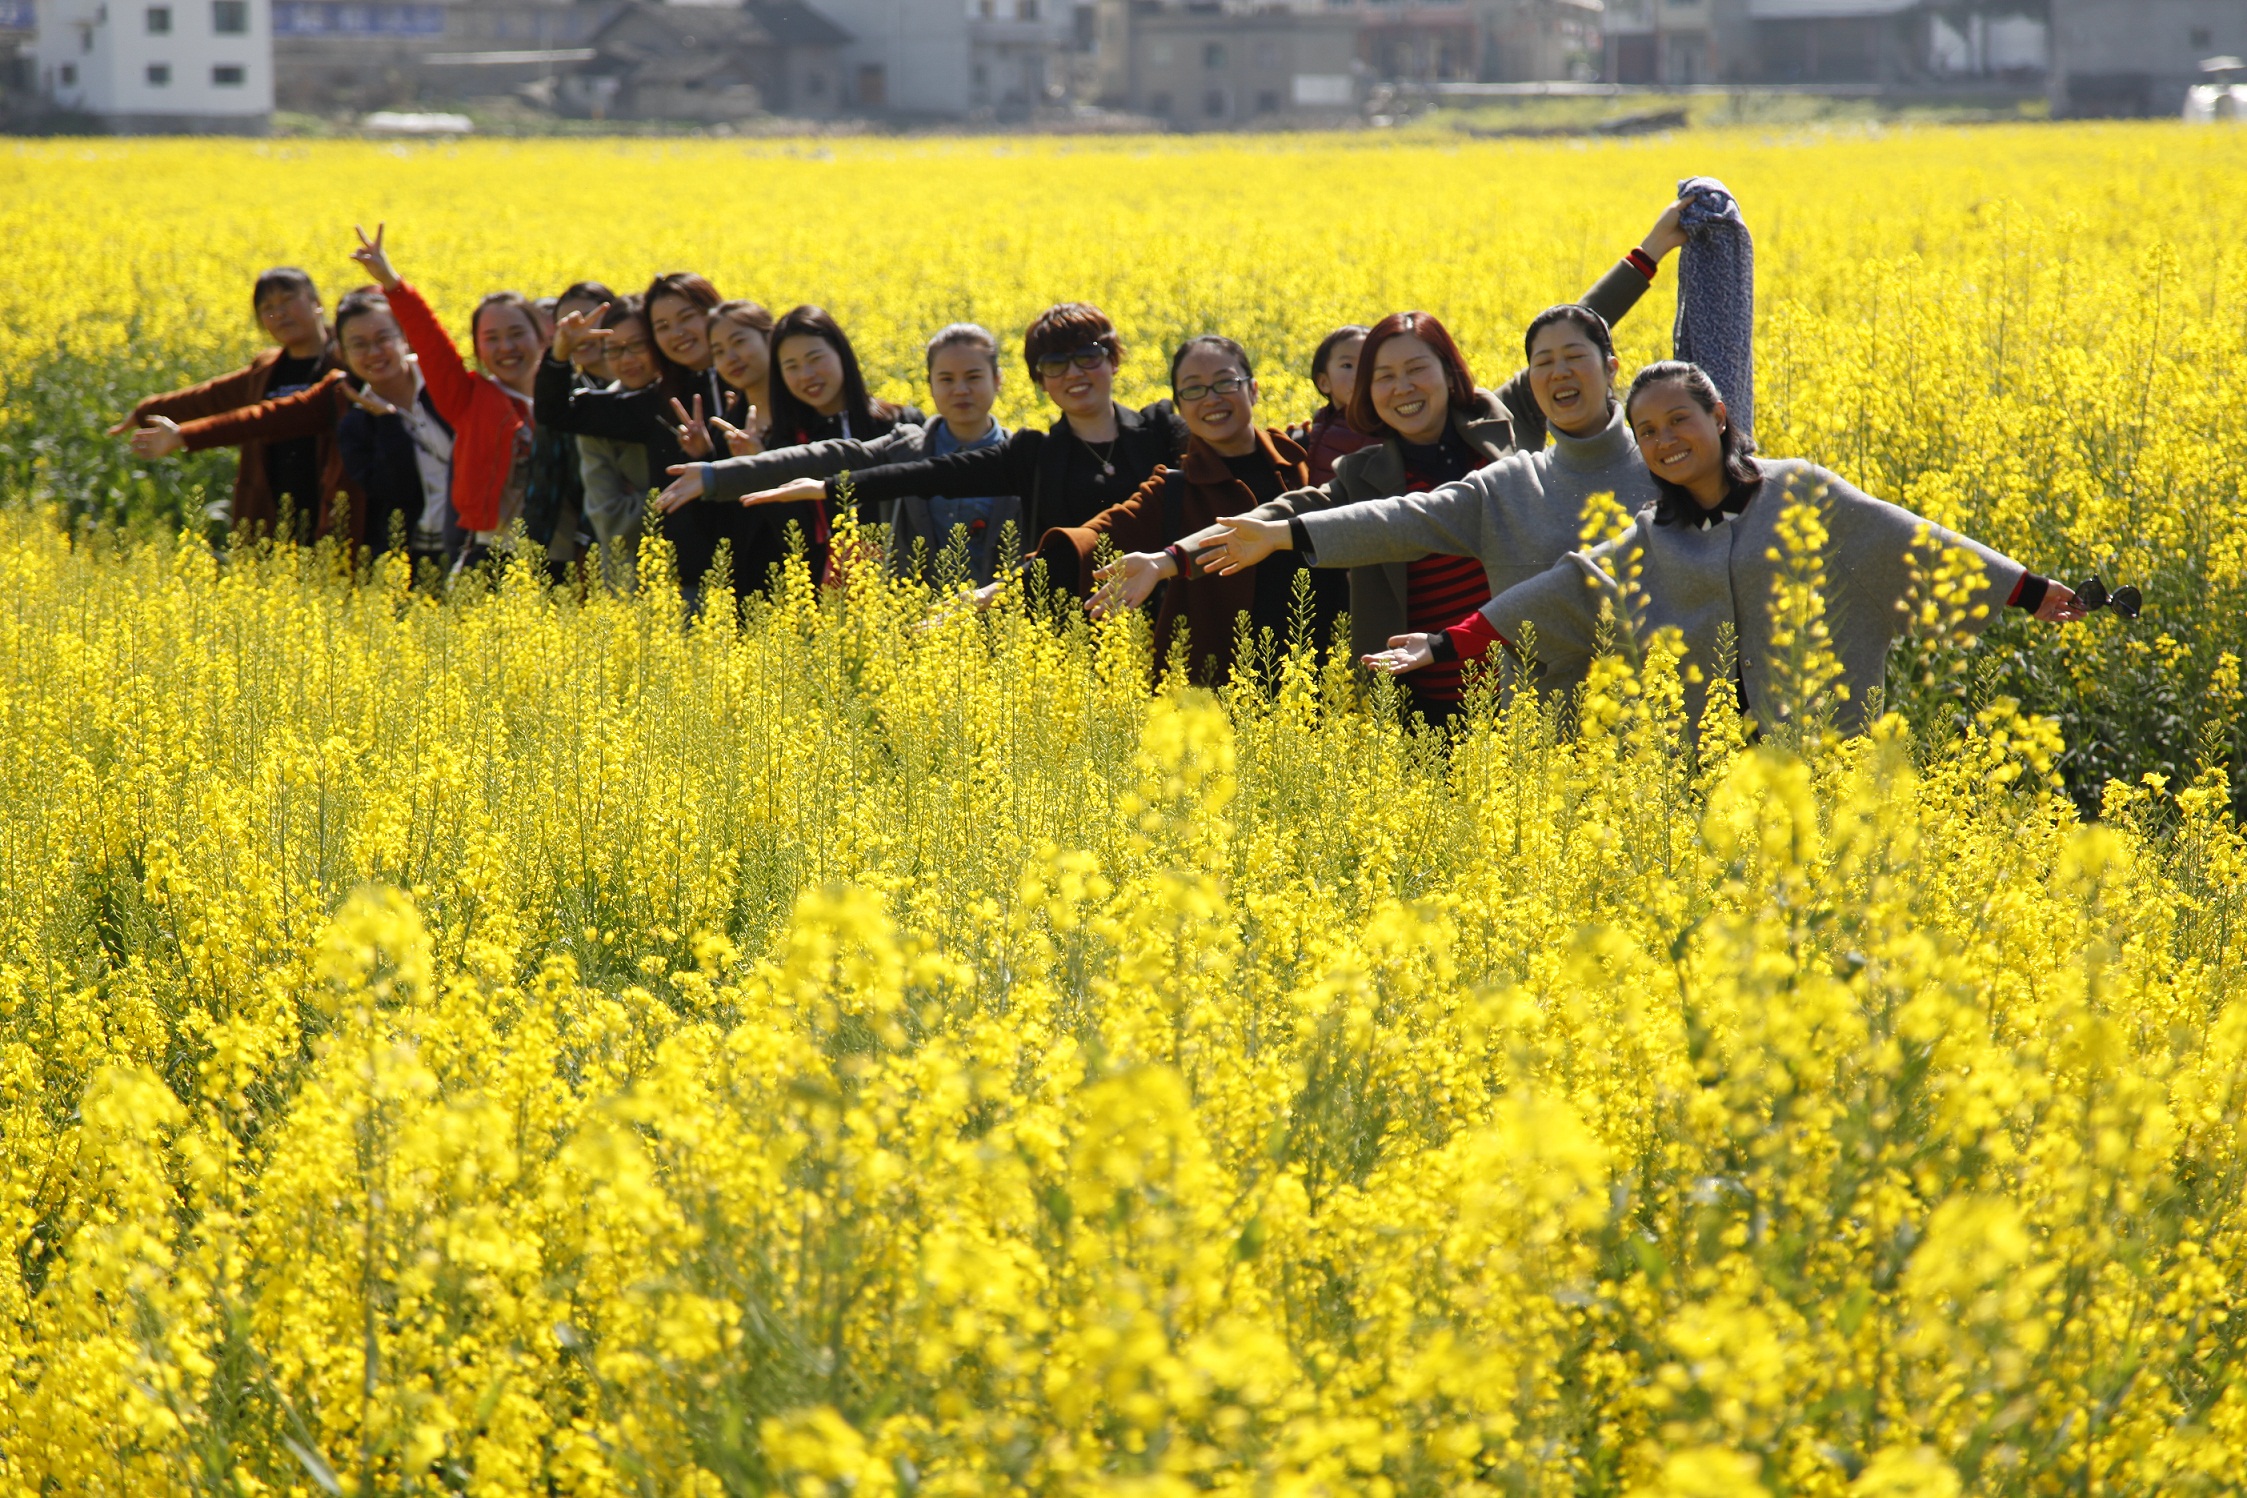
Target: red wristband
[(1645, 264), (1177, 555), (1473, 636)]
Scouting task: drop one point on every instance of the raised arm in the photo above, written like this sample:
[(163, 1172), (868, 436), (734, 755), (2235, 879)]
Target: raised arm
[(1612, 296)]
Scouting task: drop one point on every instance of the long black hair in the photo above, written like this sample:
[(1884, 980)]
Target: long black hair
[(1675, 502), (792, 420), (677, 380)]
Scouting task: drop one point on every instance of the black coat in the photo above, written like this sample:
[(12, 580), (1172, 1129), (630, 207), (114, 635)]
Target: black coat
[(378, 456)]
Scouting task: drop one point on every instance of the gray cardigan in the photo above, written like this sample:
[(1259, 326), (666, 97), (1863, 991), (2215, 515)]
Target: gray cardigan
[(1499, 424), (1699, 581), (1517, 517)]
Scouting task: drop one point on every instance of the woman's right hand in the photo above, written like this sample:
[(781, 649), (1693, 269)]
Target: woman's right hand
[(1127, 582), (370, 255), (1668, 233), (1247, 541), (684, 489), (1405, 653), (794, 492), (574, 328), (159, 439)]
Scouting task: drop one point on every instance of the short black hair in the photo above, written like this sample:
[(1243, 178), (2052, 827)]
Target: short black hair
[(281, 278), (586, 291), (359, 303)]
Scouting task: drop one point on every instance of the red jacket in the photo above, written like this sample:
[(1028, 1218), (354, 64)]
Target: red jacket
[(254, 508), (483, 416)]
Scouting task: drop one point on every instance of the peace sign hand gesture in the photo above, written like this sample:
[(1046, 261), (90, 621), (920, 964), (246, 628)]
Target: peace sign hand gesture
[(574, 328), (370, 255), (694, 432), (741, 443)]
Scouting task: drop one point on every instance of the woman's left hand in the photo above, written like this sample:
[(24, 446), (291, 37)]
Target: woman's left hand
[(159, 439), (1127, 582), (694, 432), (1405, 653), (2059, 605)]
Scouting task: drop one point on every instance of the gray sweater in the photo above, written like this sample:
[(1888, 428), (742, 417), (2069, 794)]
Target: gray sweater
[(1702, 580), (1517, 517)]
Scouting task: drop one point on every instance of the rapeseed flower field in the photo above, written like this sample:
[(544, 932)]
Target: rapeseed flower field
[(514, 1042)]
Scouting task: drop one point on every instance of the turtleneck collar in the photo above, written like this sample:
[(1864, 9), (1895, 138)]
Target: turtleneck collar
[(1603, 448)]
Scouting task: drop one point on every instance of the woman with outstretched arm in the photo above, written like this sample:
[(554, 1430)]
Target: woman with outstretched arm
[(1705, 556), (1095, 456)]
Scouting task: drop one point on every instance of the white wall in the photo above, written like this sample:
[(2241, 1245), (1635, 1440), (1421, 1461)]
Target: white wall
[(109, 58), (921, 46)]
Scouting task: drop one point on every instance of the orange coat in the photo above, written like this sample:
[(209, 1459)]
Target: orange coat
[(254, 508)]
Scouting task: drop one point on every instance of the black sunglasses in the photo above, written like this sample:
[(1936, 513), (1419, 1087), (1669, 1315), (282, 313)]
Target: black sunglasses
[(1091, 356), (2093, 595)]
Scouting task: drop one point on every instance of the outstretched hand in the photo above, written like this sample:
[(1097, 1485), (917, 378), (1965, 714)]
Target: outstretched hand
[(1405, 653), (366, 400), (2060, 605), (370, 254), (159, 439), (1247, 541), (794, 492), (1127, 582), (684, 489)]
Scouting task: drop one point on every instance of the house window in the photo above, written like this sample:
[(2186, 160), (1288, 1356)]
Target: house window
[(1267, 54), (159, 74), (815, 84), (1268, 102), (228, 75), (230, 18), (69, 74), (2202, 36), (1156, 103), (1026, 10), (873, 86), (159, 20), (986, 8), (1213, 55), (1213, 104)]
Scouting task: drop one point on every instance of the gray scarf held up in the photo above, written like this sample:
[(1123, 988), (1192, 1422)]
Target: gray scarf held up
[(1716, 296)]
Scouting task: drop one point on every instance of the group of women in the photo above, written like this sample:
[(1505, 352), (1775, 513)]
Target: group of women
[(1444, 518)]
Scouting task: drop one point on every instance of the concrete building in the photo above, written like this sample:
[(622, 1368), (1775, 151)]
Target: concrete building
[(2137, 57), (1873, 45), (1207, 68), (1018, 52), (340, 55), (906, 59), (709, 63), (1540, 41), (1660, 41), (202, 66)]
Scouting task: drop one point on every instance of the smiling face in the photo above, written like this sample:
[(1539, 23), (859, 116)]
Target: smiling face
[(741, 354), (962, 382), (373, 348), (1681, 443), (1087, 394), (1408, 389), (1225, 419), (632, 354), (681, 330), (291, 318), (813, 371), (508, 345), (1341, 375), (1572, 380)]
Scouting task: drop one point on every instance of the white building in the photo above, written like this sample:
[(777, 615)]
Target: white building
[(160, 65)]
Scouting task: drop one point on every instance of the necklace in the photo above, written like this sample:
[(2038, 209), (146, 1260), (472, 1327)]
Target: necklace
[(1107, 465)]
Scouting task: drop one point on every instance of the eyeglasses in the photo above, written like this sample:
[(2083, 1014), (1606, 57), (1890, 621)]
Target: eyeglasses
[(1227, 385), (1091, 356), (2093, 595), (626, 350), (359, 347)]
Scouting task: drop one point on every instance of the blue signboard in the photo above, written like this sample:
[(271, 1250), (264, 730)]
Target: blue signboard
[(314, 18)]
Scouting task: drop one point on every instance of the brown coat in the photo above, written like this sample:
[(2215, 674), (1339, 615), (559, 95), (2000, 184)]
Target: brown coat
[(236, 393), (1169, 507)]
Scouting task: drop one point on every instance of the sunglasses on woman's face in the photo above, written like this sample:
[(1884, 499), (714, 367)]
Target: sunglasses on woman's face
[(2093, 595), (1091, 356)]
